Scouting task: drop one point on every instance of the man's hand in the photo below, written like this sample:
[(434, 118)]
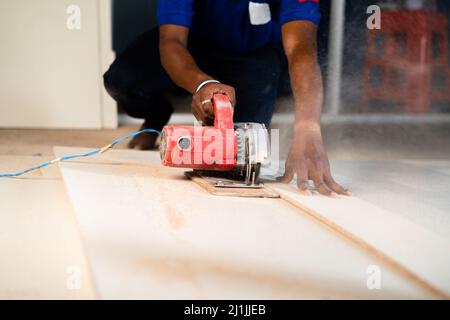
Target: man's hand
[(308, 160), (202, 107)]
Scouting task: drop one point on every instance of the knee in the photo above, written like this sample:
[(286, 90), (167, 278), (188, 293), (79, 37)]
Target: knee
[(117, 82), (112, 81)]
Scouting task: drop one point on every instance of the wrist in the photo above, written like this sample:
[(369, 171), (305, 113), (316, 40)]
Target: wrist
[(195, 81), (204, 84), (307, 124)]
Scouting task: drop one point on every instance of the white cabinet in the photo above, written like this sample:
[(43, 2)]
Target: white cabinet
[(50, 74)]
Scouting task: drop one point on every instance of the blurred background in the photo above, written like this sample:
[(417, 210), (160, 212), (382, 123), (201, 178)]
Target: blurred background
[(387, 91)]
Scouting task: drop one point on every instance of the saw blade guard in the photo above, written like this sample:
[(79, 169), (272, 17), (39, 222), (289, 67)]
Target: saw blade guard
[(253, 150)]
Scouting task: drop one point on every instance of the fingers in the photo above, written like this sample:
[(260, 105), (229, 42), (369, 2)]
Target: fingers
[(224, 89), (231, 94), (324, 184), (202, 106), (210, 90), (289, 172), (288, 175), (207, 106), (320, 185), (323, 189), (201, 111), (333, 185), (205, 100), (303, 187), (302, 180)]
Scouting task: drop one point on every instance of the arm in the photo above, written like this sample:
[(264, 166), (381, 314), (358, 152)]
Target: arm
[(183, 70), (307, 156)]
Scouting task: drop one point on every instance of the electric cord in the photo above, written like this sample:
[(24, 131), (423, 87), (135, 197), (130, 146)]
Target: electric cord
[(77, 156)]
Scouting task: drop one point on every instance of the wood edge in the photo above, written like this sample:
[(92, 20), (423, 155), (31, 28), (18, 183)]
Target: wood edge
[(366, 247), (90, 269)]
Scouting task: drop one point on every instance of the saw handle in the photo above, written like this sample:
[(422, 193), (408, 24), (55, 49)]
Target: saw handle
[(223, 112)]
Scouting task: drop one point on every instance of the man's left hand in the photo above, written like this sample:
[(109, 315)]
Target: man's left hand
[(307, 159)]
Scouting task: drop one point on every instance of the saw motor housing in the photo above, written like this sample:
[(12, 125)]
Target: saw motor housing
[(236, 149)]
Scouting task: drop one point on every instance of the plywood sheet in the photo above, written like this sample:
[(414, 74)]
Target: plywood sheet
[(416, 190), (400, 211), (151, 233), (41, 255)]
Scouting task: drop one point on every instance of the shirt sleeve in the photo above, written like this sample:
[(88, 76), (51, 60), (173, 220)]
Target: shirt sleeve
[(294, 10), (179, 12)]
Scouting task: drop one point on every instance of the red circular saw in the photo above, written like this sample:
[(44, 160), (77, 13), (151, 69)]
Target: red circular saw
[(234, 150)]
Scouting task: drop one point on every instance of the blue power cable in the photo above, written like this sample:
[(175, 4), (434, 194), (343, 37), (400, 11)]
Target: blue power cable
[(76, 156)]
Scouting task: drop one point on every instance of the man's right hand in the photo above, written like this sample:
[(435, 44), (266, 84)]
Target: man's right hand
[(202, 107)]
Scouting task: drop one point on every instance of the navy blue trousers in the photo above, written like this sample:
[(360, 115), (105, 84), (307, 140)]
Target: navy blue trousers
[(136, 79)]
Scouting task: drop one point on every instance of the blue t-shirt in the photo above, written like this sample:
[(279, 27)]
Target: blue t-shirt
[(237, 25)]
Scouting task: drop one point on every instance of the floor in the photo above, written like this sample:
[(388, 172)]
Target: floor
[(29, 142)]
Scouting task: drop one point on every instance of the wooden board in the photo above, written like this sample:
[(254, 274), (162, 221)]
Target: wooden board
[(393, 215), (152, 233), (40, 247), (208, 183)]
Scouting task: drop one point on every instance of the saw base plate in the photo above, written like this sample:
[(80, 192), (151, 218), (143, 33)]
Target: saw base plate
[(221, 186)]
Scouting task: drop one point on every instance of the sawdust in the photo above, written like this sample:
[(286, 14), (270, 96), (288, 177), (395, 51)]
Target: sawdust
[(174, 217)]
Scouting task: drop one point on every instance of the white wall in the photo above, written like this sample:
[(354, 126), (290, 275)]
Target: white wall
[(50, 76)]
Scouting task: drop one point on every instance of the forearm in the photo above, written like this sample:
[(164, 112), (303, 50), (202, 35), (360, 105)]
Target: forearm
[(307, 86), (299, 41), (182, 69), (180, 65)]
